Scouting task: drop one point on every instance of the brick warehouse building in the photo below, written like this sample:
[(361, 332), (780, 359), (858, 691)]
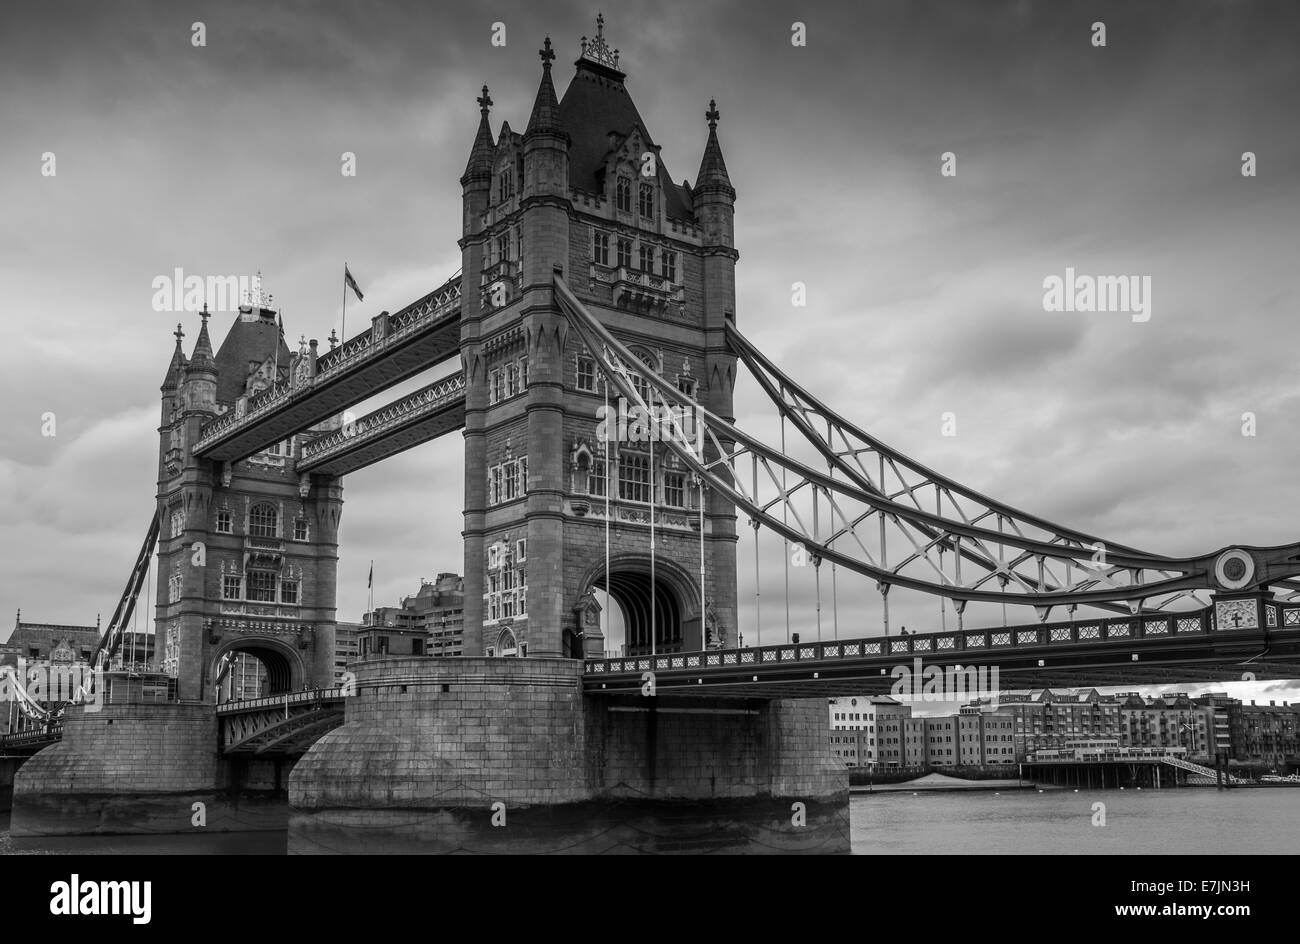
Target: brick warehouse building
[(585, 192)]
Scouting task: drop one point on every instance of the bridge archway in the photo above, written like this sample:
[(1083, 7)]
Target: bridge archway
[(674, 592), (281, 668)]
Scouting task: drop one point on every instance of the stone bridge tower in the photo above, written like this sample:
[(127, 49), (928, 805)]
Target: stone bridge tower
[(247, 551), (584, 191)]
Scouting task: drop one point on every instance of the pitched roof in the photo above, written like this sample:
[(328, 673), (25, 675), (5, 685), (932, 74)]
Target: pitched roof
[(43, 633), (248, 344), (595, 104)]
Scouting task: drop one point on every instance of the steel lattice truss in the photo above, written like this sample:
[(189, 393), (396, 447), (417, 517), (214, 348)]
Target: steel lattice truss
[(874, 511)]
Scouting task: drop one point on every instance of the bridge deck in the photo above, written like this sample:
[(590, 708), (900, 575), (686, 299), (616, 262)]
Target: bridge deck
[(1136, 650)]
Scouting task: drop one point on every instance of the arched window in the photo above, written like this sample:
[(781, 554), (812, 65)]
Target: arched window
[(506, 645), (262, 521)]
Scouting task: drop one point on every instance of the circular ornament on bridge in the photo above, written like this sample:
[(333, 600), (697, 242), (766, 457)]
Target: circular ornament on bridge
[(1234, 569)]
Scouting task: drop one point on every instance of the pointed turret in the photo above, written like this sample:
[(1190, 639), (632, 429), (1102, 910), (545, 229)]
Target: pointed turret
[(713, 169), (546, 153), (713, 197), (176, 369), (199, 388), (546, 108), (203, 360), (480, 155)]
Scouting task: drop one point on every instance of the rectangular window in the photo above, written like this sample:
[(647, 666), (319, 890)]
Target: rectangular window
[(586, 375), (523, 475), (523, 374), (507, 594), (231, 587), (634, 477), (600, 249), (496, 385), (668, 265), (223, 521), (512, 379), (261, 586), (494, 596), (289, 591), (646, 258), (675, 489), (625, 253), (596, 478), (494, 484), (521, 550), (511, 480), (503, 247), (504, 184), (686, 385), (623, 194), (646, 201), (417, 647), (300, 529)]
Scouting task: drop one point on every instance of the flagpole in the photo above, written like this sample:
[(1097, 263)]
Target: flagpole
[(343, 331)]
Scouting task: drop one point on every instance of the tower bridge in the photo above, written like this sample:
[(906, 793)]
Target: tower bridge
[(588, 276)]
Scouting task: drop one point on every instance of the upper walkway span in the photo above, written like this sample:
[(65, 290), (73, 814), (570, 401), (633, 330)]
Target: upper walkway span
[(395, 348)]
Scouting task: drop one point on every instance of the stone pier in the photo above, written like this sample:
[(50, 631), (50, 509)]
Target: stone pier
[(508, 755), (137, 769)]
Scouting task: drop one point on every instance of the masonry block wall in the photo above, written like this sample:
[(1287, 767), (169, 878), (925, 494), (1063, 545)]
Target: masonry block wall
[(124, 768), (711, 748), (468, 732)]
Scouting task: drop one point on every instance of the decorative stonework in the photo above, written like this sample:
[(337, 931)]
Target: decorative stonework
[(597, 50), (1236, 614)]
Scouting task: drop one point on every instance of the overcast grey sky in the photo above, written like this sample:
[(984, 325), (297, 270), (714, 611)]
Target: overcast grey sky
[(924, 292)]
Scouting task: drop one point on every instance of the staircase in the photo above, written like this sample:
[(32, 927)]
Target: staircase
[(1199, 770)]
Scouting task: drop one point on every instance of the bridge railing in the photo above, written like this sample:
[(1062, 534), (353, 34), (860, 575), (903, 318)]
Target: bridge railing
[(307, 696), (1047, 635), (439, 303), (49, 732)]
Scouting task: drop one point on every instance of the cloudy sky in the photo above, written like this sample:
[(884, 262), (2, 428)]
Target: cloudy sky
[(924, 292)]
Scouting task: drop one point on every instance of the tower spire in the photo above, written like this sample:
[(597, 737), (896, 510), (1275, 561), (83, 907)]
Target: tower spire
[(546, 108), (203, 358), (713, 169), (480, 155), (176, 367)]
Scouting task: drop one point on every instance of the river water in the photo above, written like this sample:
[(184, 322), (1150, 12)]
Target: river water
[(1187, 821)]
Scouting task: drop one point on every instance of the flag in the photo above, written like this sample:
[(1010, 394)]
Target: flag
[(351, 283), (275, 369)]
